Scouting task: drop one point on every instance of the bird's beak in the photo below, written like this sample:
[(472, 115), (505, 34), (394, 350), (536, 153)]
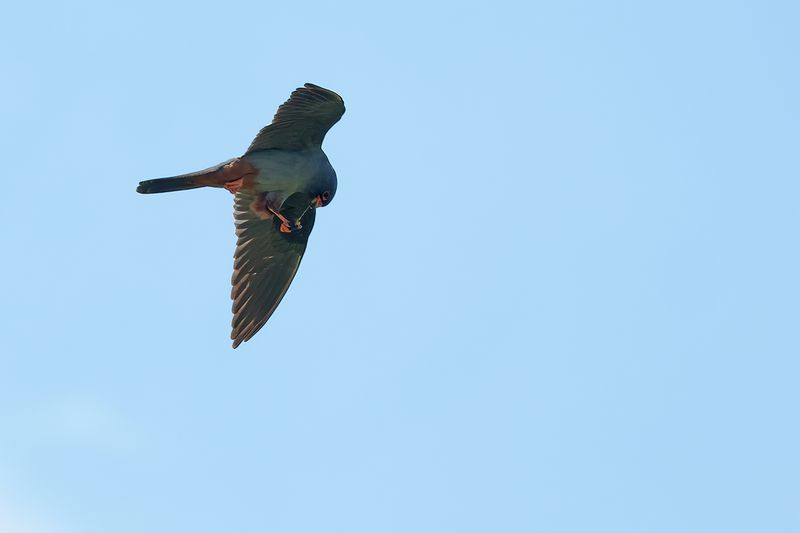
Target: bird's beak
[(317, 201)]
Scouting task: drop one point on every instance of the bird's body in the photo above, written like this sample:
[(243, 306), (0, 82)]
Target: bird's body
[(278, 184), (280, 170)]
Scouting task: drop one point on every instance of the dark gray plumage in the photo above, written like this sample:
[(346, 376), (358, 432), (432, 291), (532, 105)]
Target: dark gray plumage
[(279, 183)]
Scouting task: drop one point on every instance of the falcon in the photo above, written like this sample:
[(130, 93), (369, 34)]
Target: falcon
[(278, 184)]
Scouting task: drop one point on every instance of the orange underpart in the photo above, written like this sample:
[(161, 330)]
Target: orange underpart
[(233, 186), (259, 207)]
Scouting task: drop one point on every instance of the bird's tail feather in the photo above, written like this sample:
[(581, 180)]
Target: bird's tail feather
[(183, 182), (166, 185)]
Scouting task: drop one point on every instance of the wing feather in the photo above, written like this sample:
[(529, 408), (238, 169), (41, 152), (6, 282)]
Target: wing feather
[(264, 264), (302, 121)]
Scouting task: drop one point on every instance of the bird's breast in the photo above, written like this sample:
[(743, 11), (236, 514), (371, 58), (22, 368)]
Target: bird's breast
[(284, 170)]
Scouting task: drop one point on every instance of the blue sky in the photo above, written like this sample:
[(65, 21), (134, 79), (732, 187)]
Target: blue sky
[(556, 291)]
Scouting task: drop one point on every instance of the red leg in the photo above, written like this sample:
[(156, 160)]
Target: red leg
[(286, 225)]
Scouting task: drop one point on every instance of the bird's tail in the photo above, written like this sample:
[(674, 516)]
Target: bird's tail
[(183, 182), (166, 185)]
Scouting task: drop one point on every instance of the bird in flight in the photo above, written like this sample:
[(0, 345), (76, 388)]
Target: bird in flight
[(278, 185)]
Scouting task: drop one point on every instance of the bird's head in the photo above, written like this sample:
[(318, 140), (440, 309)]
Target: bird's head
[(323, 196)]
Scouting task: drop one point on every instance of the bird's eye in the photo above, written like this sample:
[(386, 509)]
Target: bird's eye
[(326, 195)]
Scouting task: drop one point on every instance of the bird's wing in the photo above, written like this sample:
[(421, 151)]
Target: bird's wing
[(264, 263), (302, 121)]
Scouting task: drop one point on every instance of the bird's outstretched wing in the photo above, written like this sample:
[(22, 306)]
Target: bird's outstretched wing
[(265, 262), (302, 121)]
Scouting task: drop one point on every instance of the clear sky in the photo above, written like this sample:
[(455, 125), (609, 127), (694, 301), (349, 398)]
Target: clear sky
[(557, 290)]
